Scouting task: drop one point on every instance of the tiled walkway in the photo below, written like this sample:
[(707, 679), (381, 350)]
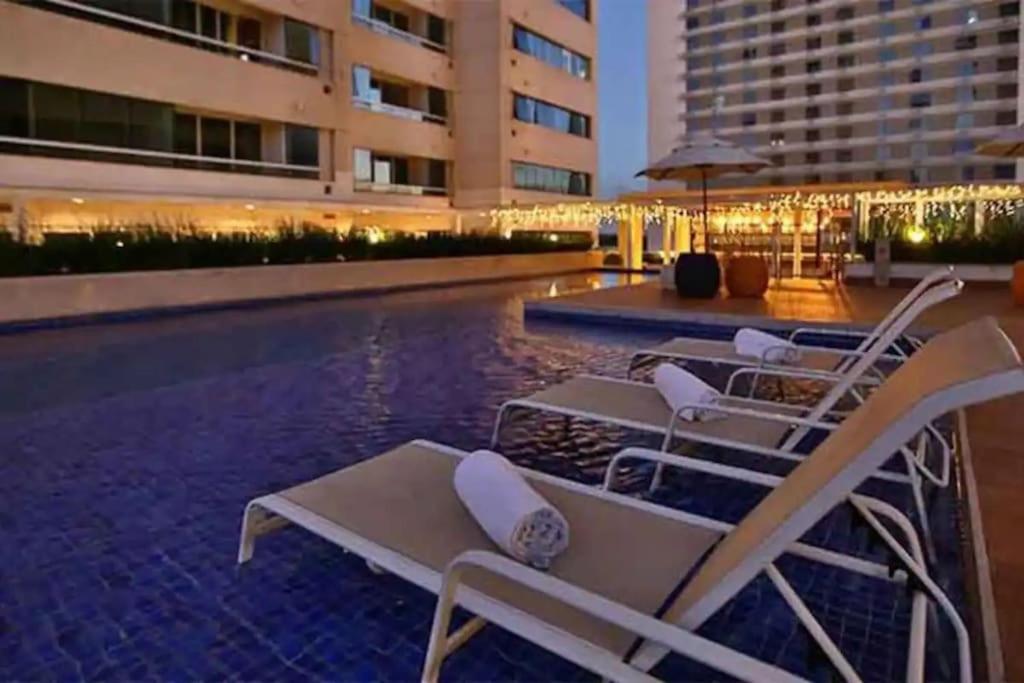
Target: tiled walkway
[(792, 300), (995, 430)]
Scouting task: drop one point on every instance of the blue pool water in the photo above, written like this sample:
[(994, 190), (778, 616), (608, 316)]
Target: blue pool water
[(128, 451)]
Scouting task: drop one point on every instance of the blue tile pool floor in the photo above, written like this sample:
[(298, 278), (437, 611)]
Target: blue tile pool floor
[(128, 451)]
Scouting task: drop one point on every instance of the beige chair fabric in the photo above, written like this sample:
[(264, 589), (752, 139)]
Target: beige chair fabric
[(708, 350), (971, 352), (641, 404), (404, 500)]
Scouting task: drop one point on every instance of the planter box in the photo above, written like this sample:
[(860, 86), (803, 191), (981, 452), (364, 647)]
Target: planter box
[(969, 272), (27, 299)]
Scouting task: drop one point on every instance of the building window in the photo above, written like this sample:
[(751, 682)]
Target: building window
[(920, 99), (812, 112), (1005, 171), (963, 146), (778, 93), (813, 89), (845, 61), (778, 71), (301, 42), (302, 145), (886, 5), (924, 23), (813, 67), (126, 128), (778, 116), (580, 8), (844, 108), (1006, 118), (778, 27), (812, 157), (846, 37), (777, 139), (813, 20), (530, 110), (1007, 37), (813, 43), (749, 118), (845, 13), (844, 156), (812, 135), (966, 42), (777, 49), (526, 176), (1006, 91), (552, 53), (844, 132)]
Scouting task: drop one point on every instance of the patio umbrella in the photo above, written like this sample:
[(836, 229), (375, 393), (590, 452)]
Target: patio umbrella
[(700, 157), (1009, 143)]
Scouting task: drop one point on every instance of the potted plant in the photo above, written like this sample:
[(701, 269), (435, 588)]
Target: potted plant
[(698, 275), (746, 271)]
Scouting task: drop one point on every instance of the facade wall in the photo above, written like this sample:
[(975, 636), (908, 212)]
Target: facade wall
[(420, 92), (69, 296), (840, 91)]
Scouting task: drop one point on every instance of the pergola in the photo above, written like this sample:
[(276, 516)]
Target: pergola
[(773, 215)]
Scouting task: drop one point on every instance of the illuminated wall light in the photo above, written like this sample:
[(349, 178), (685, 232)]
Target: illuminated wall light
[(916, 235), (250, 207), (77, 200)]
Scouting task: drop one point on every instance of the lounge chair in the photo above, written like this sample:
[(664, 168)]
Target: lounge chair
[(817, 362), (639, 579), (761, 427)]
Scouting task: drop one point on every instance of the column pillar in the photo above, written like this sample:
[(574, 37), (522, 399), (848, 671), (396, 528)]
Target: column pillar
[(636, 240), (979, 216), (798, 246)]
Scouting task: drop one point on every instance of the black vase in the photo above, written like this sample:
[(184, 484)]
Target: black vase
[(698, 276)]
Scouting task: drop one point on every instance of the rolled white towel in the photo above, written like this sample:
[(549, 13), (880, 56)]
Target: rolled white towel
[(766, 347), (517, 518), (680, 388)]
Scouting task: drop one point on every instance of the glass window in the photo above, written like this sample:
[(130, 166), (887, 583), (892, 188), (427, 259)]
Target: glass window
[(57, 112), (362, 8), (363, 165), (534, 45), (963, 146), (580, 8), (104, 119), (215, 137), (150, 126), (248, 141), (302, 145), (301, 42), (531, 110), (362, 85), (547, 179), (437, 30), (249, 33), (13, 108), (183, 15), (186, 140)]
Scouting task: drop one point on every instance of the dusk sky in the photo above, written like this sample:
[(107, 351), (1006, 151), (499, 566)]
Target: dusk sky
[(622, 93)]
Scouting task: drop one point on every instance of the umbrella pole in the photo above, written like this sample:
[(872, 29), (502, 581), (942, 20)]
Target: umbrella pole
[(704, 183)]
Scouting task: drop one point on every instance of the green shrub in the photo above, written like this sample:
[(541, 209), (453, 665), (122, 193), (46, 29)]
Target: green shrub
[(135, 247)]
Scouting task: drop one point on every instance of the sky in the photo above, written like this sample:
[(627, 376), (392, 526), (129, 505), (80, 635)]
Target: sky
[(622, 94)]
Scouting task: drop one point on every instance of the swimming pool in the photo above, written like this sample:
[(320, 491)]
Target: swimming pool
[(128, 451)]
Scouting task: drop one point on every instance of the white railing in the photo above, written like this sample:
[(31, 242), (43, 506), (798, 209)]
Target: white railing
[(154, 154), (395, 188), (389, 30), (177, 35), (395, 110)]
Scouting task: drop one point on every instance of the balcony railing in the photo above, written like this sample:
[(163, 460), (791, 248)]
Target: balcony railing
[(389, 30), (174, 35), (147, 157), (395, 188), (395, 110)]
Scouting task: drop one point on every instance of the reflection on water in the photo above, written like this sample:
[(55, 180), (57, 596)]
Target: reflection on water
[(128, 451)]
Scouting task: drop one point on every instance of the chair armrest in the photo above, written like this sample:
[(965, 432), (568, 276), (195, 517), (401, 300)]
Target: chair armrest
[(673, 637), (686, 463)]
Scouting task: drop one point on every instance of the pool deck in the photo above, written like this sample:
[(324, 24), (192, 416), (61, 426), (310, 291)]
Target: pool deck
[(995, 430)]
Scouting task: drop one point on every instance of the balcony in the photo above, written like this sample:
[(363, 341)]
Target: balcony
[(408, 24), (247, 38), (375, 92), (385, 173), (46, 120)]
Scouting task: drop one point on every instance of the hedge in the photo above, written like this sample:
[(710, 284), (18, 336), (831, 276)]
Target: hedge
[(111, 251), (1001, 241)]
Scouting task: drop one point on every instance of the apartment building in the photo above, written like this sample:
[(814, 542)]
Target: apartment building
[(836, 90), (403, 114)]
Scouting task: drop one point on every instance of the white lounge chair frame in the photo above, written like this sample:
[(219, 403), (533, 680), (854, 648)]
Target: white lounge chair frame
[(911, 558), (845, 358), (811, 417), (270, 513)]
